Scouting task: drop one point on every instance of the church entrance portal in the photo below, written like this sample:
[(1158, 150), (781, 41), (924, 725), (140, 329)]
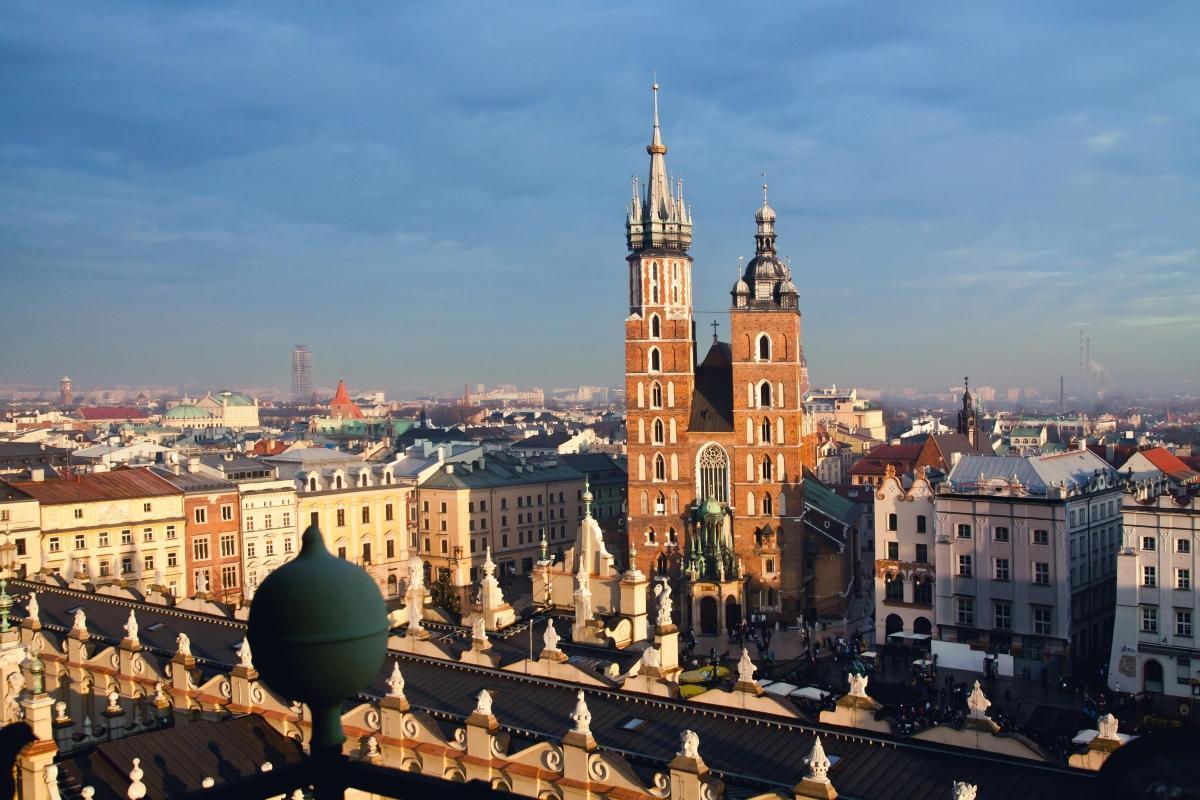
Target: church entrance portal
[(708, 616), (733, 612)]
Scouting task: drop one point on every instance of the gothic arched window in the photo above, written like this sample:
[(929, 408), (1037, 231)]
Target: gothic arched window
[(764, 347), (764, 395), (660, 504), (656, 364), (713, 473), (658, 431), (766, 504), (766, 430), (660, 468), (767, 468), (656, 395), (655, 326)]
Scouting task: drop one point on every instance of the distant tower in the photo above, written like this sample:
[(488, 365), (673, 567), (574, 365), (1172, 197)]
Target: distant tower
[(301, 374), (65, 395), (967, 422)]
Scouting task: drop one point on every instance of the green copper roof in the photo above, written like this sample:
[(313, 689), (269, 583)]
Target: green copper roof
[(187, 412)]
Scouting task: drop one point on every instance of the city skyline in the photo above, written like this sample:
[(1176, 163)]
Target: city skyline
[(940, 190)]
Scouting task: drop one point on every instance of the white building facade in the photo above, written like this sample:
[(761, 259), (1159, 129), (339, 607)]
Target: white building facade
[(1154, 645), (905, 573), (1026, 551)]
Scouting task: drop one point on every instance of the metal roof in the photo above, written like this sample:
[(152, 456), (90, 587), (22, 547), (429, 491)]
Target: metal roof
[(748, 751), (119, 484)]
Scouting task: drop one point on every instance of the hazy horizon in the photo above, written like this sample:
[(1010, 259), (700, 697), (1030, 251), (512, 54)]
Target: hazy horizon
[(429, 198)]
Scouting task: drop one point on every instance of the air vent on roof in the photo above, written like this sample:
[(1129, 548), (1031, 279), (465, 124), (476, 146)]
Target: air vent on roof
[(633, 724)]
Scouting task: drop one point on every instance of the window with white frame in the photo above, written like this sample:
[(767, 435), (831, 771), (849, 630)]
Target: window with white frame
[(1183, 623), (1149, 617), (1042, 620)]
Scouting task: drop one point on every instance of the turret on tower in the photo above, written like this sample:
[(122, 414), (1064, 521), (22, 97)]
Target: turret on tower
[(657, 218)]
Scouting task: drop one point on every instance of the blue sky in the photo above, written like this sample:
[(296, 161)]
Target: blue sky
[(429, 194)]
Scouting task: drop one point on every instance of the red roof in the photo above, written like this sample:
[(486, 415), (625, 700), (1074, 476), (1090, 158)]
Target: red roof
[(101, 413), (268, 447), (902, 456), (97, 486), (1169, 464), (341, 405)]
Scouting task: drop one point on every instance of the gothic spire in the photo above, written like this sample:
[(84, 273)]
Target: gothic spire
[(657, 217)]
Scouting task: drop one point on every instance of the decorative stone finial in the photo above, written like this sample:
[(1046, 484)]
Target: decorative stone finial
[(489, 566), (160, 695), (543, 548), (183, 645), (60, 712), (1106, 726), (964, 790), (662, 590), (479, 630), (137, 789), (114, 701), (6, 604), (651, 658), (372, 749), (245, 657), (131, 627), (87, 793), (550, 638), (416, 573), (80, 622), (483, 703), (587, 498), (977, 702), (31, 608), (395, 681), (746, 668), (858, 684), (818, 763), (581, 716), (689, 744)]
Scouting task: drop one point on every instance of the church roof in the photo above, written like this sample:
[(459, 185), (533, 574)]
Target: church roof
[(712, 400), (341, 404)]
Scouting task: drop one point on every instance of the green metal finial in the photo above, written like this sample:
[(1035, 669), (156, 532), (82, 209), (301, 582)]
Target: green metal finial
[(543, 548), (587, 497), (6, 604)]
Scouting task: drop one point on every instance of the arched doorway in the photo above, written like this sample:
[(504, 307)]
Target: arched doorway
[(733, 612), (893, 624), (1152, 676), (708, 616), (393, 586), (922, 625)]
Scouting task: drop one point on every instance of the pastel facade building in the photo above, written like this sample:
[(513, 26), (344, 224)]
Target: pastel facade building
[(20, 525), (905, 569), (1154, 640), (359, 507), (212, 532), (105, 527), (498, 503), (1025, 552)]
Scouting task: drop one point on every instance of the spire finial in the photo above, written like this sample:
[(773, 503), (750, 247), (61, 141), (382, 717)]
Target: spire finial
[(715, 325), (656, 146), (764, 177), (587, 497)]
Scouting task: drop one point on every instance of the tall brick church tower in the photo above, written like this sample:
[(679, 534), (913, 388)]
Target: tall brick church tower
[(716, 458), (659, 357)]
